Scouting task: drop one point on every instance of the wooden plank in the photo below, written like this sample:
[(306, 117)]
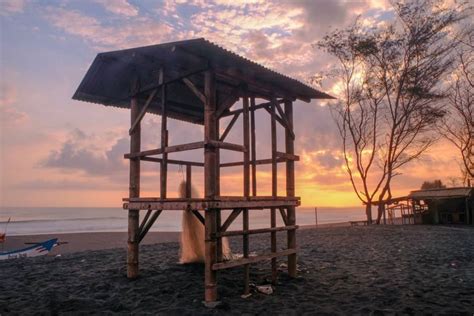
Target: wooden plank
[(164, 143), (200, 205), (256, 231), (174, 161), (134, 192), (250, 260), (232, 216), (229, 127), (210, 188), (168, 149), (199, 216), (287, 156), (253, 146), (140, 116), (194, 89), (224, 145), (148, 225), (214, 199), (286, 124), (290, 189)]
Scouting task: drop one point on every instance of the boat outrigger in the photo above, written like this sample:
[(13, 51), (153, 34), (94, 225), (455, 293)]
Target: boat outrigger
[(38, 249)]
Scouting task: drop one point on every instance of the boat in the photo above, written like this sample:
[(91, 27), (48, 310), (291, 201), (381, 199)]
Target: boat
[(37, 249)]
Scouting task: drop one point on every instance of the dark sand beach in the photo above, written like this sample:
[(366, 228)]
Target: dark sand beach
[(343, 270)]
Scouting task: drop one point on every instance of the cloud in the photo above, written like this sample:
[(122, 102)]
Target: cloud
[(137, 32), (77, 153), (8, 7), (120, 7), (9, 115)]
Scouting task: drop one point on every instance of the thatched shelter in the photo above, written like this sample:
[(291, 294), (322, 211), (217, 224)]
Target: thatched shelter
[(199, 82)]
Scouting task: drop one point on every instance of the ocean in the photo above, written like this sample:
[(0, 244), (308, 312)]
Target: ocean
[(47, 220)]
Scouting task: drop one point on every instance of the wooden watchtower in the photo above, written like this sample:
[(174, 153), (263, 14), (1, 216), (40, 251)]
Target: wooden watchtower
[(199, 82)]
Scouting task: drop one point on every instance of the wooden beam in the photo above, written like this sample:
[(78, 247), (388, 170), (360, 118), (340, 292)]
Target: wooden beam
[(168, 149), (283, 216), (286, 124), (246, 140), (290, 188), (148, 225), (231, 98), (199, 204), (256, 231), (255, 259), (274, 188), (257, 162), (229, 127), (134, 192), (194, 89), (232, 216), (253, 146), (188, 181), (174, 161), (142, 113), (288, 156), (254, 107), (224, 145), (199, 216), (211, 133), (148, 213), (245, 240), (164, 142)]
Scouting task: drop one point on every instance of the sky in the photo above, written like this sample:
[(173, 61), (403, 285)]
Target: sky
[(55, 151)]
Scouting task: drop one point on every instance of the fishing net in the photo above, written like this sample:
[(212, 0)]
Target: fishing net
[(192, 235)]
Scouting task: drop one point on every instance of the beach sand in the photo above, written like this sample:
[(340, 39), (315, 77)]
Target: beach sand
[(345, 270)]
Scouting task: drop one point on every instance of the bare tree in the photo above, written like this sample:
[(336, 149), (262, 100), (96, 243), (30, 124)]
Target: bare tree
[(390, 76), (458, 127)]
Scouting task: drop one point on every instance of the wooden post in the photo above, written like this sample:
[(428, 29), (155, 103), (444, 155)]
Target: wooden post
[(290, 188), (246, 135), (188, 181), (164, 143), (253, 147), (210, 185), (245, 226), (274, 187), (134, 192)]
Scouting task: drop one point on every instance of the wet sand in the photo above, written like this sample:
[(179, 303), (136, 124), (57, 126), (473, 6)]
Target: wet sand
[(342, 270)]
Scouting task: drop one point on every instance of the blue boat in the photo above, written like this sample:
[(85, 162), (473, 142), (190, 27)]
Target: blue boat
[(38, 249)]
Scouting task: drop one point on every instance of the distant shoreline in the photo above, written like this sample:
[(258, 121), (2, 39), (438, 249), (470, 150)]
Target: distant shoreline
[(85, 241)]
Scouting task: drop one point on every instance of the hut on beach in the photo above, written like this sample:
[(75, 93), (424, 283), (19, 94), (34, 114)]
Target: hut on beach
[(199, 82), (433, 206)]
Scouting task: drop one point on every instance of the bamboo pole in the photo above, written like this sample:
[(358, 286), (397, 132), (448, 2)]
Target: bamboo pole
[(253, 147), (274, 187), (246, 126), (164, 143), (245, 224), (210, 186), (134, 192), (290, 188)]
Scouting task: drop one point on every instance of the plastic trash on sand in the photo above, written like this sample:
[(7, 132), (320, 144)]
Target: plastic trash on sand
[(265, 289)]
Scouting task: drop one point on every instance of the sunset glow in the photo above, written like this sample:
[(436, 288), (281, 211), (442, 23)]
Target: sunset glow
[(58, 152)]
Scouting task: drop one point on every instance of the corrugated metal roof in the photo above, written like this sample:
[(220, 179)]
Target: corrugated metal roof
[(440, 193), (108, 80)]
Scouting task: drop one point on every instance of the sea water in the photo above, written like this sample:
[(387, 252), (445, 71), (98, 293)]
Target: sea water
[(46, 220)]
